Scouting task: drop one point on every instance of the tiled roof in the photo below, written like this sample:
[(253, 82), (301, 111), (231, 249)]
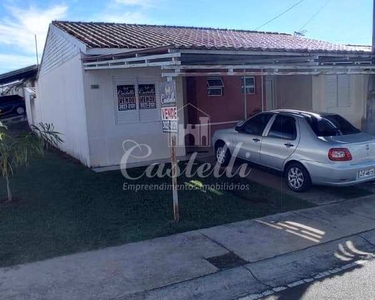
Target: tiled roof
[(134, 36)]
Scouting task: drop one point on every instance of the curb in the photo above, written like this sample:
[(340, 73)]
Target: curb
[(319, 276)]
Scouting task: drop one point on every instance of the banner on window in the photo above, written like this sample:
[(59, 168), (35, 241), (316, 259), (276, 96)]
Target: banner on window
[(126, 97), (147, 96)]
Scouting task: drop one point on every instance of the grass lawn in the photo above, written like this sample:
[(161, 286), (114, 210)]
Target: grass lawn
[(63, 208)]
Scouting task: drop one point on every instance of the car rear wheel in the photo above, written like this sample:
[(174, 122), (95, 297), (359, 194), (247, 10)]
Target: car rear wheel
[(298, 178), (222, 154), (20, 110)]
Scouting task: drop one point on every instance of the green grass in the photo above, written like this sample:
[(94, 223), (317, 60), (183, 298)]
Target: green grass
[(62, 207)]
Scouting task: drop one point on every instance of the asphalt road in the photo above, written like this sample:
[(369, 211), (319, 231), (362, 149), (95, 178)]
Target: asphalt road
[(357, 283)]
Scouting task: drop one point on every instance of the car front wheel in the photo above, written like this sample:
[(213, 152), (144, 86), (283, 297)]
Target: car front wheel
[(298, 178), (20, 110), (222, 154)]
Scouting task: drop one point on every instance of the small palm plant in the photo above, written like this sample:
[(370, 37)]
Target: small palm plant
[(16, 150)]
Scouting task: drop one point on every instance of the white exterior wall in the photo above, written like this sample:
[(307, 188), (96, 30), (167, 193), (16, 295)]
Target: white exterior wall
[(57, 50), (294, 92), (304, 92), (355, 112), (105, 135), (60, 95), (30, 106)]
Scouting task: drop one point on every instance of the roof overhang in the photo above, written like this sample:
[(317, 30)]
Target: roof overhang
[(193, 62), (20, 74)]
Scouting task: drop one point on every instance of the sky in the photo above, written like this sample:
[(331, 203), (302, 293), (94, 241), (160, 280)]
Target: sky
[(338, 21)]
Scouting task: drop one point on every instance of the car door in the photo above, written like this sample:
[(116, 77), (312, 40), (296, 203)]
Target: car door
[(279, 142), (6, 108), (249, 137)]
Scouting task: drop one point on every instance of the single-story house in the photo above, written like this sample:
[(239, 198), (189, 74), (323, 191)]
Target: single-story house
[(99, 83)]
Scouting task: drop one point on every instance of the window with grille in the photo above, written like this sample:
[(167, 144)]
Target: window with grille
[(248, 85)]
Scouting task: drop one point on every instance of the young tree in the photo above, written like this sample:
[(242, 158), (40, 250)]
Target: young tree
[(17, 149), (1, 133)]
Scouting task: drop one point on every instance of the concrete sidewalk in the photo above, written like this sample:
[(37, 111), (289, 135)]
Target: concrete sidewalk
[(223, 262)]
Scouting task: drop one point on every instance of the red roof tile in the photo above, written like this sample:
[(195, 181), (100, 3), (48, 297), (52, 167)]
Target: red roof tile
[(134, 36)]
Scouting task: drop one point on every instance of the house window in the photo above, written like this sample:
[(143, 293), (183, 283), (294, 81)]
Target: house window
[(136, 103), (147, 96), (337, 91), (215, 86), (249, 87)]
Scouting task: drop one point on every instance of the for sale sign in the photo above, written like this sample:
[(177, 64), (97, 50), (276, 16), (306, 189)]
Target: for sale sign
[(169, 119), (168, 93), (168, 105), (126, 99), (169, 113)]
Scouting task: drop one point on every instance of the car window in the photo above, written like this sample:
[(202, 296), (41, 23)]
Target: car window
[(257, 124), (331, 125), (283, 127)]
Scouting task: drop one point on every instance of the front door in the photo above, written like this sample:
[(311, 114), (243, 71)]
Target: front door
[(249, 137), (280, 142), (270, 94)]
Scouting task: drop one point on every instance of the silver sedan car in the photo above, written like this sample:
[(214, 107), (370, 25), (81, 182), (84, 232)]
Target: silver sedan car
[(309, 148)]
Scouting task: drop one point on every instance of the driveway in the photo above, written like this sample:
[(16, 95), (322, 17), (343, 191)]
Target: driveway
[(319, 195)]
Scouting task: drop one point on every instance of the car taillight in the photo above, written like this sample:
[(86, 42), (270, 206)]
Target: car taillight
[(340, 154)]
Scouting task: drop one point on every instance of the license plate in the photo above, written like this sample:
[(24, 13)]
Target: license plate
[(366, 173)]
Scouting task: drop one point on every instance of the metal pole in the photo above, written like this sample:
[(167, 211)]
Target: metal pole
[(244, 96), (262, 89), (36, 49), (176, 211), (370, 103), (174, 166)]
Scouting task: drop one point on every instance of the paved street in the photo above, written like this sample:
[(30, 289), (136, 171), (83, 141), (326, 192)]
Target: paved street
[(356, 283)]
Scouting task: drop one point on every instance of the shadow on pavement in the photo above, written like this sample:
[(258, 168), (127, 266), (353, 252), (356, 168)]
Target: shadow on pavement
[(350, 257)]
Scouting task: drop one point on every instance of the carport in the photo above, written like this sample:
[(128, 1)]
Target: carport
[(231, 85)]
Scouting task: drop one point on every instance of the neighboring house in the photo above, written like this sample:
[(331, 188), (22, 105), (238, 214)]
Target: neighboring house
[(226, 74), (14, 82), (13, 92)]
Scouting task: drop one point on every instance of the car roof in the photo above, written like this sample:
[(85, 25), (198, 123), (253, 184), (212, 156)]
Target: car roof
[(301, 113)]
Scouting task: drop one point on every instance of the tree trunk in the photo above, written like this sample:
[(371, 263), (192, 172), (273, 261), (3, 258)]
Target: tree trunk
[(10, 197)]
